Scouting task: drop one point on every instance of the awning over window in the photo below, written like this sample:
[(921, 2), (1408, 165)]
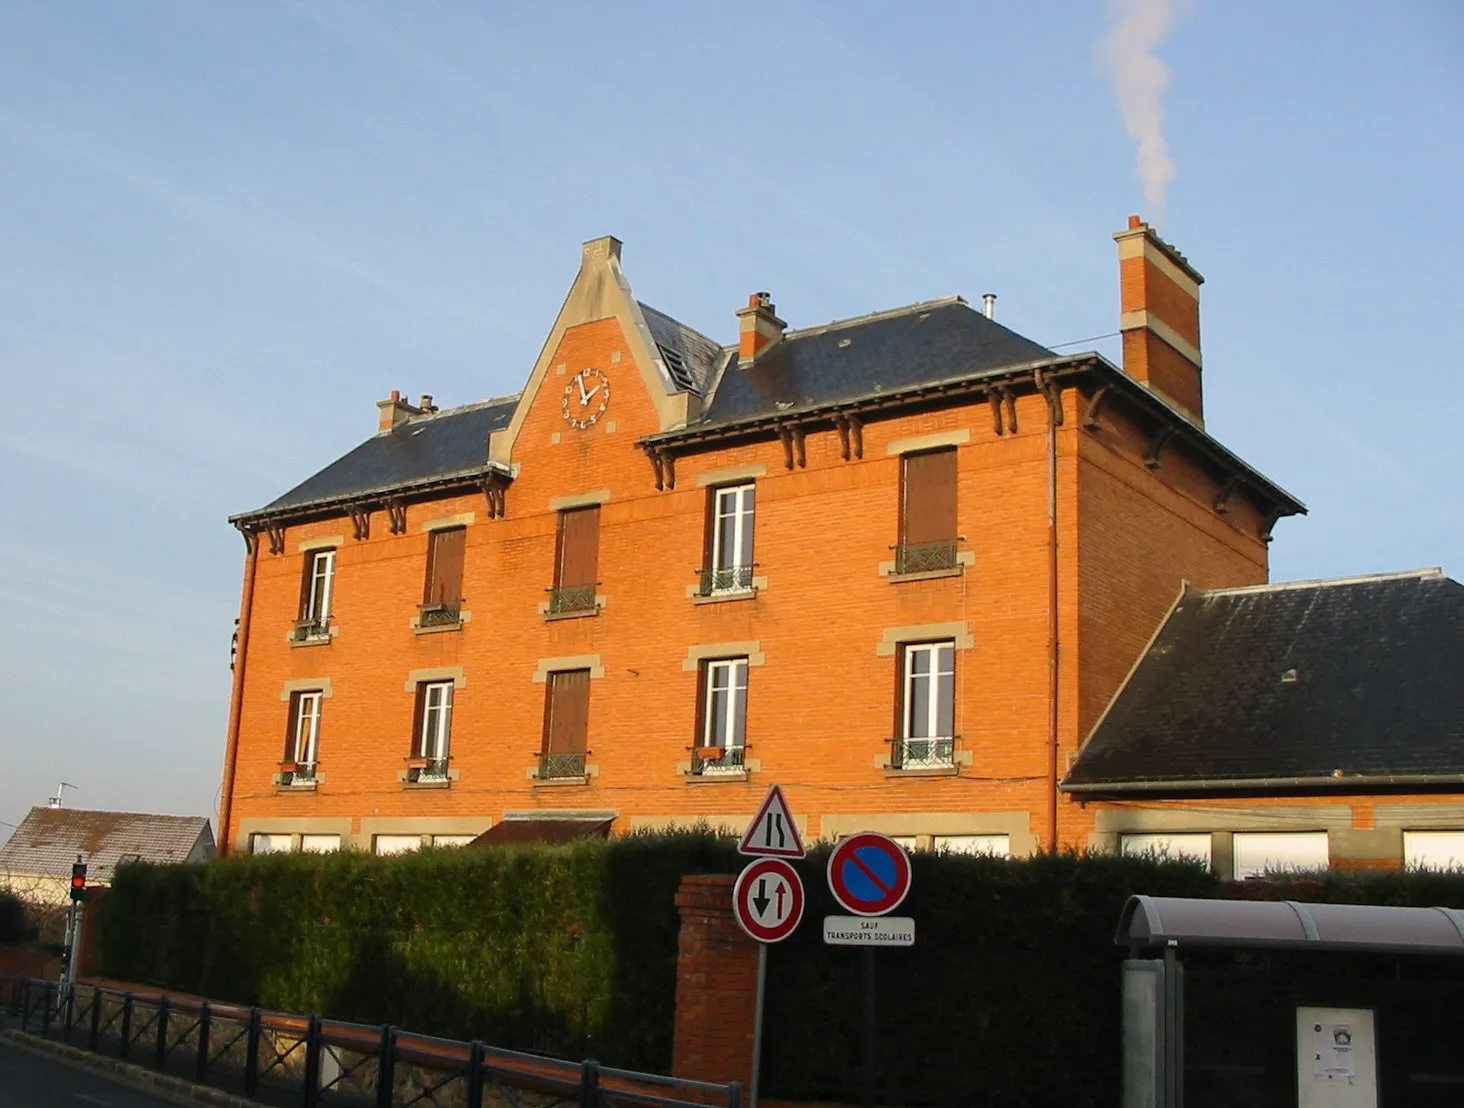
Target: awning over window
[(1160, 920), (543, 831)]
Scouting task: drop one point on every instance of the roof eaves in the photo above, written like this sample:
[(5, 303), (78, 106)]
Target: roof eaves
[(1353, 782), (871, 317), (341, 500)]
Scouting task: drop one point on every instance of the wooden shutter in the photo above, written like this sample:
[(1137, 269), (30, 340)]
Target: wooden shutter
[(579, 547), (419, 710), (290, 724), (568, 725), (930, 498), (445, 566)]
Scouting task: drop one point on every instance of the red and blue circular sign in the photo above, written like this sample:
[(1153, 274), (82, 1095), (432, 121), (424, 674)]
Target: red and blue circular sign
[(869, 873)]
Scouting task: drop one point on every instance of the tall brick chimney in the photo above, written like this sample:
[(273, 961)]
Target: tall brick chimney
[(395, 411), (760, 327), (1160, 320)]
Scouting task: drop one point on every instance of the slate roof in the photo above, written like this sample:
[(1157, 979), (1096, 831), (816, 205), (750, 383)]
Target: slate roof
[(1349, 683), (691, 358), (49, 839), (423, 449), (870, 354)]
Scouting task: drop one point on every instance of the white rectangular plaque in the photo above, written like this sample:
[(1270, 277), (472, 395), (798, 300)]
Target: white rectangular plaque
[(869, 930)]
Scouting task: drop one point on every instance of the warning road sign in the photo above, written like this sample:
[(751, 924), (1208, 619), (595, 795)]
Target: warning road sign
[(869, 873), (768, 899), (772, 832)]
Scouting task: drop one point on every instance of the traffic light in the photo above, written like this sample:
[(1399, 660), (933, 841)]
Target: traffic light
[(78, 879)]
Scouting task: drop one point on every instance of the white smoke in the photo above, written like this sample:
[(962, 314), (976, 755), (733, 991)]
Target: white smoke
[(1139, 78)]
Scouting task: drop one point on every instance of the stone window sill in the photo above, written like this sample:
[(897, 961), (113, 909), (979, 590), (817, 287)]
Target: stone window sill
[(555, 617), (561, 782), (432, 782), (933, 771), (437, 628), (725, 597), (927, 575), (322, 640), (284, 788), (714, 778)]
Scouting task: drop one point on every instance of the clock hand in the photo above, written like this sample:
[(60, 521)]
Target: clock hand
[(590, 395), (580, 381)]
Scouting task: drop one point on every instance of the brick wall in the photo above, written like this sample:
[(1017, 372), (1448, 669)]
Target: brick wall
[(716, 985)]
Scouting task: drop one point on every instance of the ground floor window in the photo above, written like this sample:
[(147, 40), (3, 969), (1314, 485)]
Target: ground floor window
[(270, 844), (1433, 849), (1258, 853), (1187, 846), (396, 844), (452, 840), (319, 844), (997, 846)]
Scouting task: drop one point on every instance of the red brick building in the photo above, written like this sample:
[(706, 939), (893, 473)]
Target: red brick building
[(898, 564)]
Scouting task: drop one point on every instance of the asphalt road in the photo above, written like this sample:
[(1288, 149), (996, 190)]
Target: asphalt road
[(36, 1081)]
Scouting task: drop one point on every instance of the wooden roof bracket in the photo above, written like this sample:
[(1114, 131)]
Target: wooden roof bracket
[(664, 465), (793, 452), (1011, 408), (1156, 446), (360, 522), (1227, 490), (1052, 390), (396, 515), (251, 538), (495, 492), (1268, 522), (276, 533), (851, 435), (654, 456), (1092, 418), (995, 398)]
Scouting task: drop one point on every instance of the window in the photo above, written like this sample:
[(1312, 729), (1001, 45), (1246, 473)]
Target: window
[(434, 730), (302, 737), (270, 844), (1187, 847), (729, 540), (319, 844), (396, 844), (576, 561), (566, 725), (442, 597), (996, 846), (1433, 849), (1260, 853), (452, 840), (316, 594), (723, 731), (927, 737), (927, 512)]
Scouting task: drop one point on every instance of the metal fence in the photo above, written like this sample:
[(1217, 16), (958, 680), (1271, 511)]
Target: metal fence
[(310, 1061)]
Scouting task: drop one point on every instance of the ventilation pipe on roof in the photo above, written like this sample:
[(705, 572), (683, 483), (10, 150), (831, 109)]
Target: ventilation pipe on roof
[(988, 305)]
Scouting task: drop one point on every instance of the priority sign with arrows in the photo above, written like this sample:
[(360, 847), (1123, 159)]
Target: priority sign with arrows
[(768, 900), (772, 832)]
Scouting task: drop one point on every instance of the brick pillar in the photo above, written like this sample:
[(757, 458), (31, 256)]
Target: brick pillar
[(716, 985)]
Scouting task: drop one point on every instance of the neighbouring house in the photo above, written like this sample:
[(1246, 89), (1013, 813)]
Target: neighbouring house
[(897, 563), (35, 863), (1290, 726)]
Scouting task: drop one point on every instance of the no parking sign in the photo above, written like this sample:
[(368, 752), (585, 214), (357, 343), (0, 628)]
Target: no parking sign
[(869, 873)]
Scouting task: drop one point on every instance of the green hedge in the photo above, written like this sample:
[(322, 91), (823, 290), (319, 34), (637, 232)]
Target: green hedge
[(1009, 997), (14, 928), (565, 949)]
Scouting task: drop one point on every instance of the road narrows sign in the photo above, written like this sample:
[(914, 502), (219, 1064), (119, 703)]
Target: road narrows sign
[(869, 873), (772, 832), (768, 900)]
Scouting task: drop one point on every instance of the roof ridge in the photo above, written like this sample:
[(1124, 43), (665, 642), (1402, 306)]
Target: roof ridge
[(1427, 572), (492, 401), (870, 317)]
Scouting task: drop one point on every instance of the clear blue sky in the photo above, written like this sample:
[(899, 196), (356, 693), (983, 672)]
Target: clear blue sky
[(227, 229)]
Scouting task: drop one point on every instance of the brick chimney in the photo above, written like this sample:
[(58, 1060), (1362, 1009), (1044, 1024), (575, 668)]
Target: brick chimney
[(395, 411), (760, 327), (1160, 320)]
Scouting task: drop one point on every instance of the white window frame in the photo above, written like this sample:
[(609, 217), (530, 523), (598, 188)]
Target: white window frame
[(273, 842), (932, 694), (307, 726), (321, 586), (453, 841), (395, 844), (741, 518), (435, 739), (1421, 850), (319, 844), (736, 671), (987, 846), (1181, 846), (1248, 842)]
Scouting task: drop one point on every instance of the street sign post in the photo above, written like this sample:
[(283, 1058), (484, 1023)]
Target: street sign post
[(772, 832), (869, 873), (768, 900)]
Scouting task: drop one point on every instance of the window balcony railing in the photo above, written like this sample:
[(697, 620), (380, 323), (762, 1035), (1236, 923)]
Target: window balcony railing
[(565, 599), (562, 766), (924, 557), (936, 752), (311, 629), (440, 615), (300, 775), (424, 770), (711, 761), (722, 579)]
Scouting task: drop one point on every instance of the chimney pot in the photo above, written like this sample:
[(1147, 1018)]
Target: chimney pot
[(395, 411), (759, 328), (1135, 223)]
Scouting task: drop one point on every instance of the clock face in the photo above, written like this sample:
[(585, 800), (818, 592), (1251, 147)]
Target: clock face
[(585, 398)]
